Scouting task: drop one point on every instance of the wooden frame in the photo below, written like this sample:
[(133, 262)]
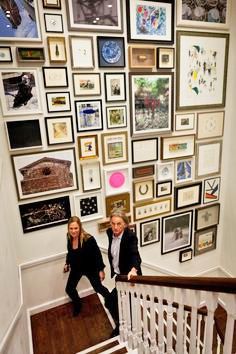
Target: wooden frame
[(207, 216), (115, 87), (110, 52), (116, 180), (86, 84), (210, 125), (52, 4), (184, 170), (82, 55), (116, 117), (59, 130), (184, 122), (88, 115), (149, 232), (205, 240), (58, 101), (163, 189), (177, 147), (55, 77), (211, 190), (88, 207), (57, 49), (208, 158), (143, 171), (144, 150), (165, 58), (143, 190), (53, 23), (91, 175), (187, 195), (141, 56), (114, 147), (5, 54), (30, 54), (118, 201), (88, 147), (185, 255), (151, 209)]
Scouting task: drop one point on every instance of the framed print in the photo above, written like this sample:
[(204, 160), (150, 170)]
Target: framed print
[(59, 130), (82, 56), (30, 54), (163, 188), (111, 52), (55, 77), (143, 190), (142, 56), (202, 60), (116, 180), (23, 134), (45, 213), (208, 158), (185, 255), (177, 146), (149, 232), (107, 18), (143, 171), (116, 117), (210, 125), (114, 147), (207, 216), (5, 54), (86, 84), (88, 147), (176, 232), (115, 87), (144, 150), (184, 121), (205, 240), (53, 23), (58, 101), (88, 207), (44, 173), (188, 195), (165, 58), (151, 97), (143, 26), (211, 190), (105, 224), (88, 115), (184, 170), (118, 201), (91, 176), (57, 49), (152, 208), (164, 171), (52, 4), (19, 92)]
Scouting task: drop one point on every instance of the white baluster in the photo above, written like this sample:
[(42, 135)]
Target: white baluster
[(134, 304), (231, 316), (180, 296), (145, 324), (153, 343), (211, 302), (160, 312)]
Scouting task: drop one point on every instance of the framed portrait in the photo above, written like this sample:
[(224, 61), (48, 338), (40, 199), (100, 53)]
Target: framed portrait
[(185, 255), (144, 150), (45, 213), (114, 147), (142, 56), (152, 209), (86, 84), (58, 101), (202, 60), (115, 87), (88, 147), (110, 52), (106, 18), (163, 188), (91, 175), (88, 207), (43, 173), (118, 201), (19, 92), (88, 115), (149, 232), (57, 49), (164, 171), (143, 27), (184, 122), (59, 130), (176, 232), (165, 58), (184, 170), (55, 77), (208, 158), (143, 190), (82, 55), (53, 23), (5, 54), (207, 216), (30, 54), (177, 147), (116, 117), (151, 97), (211, 190), (210, 125), (205, 240), (116, 180), (52, 4), (187, 195), (143, 171)]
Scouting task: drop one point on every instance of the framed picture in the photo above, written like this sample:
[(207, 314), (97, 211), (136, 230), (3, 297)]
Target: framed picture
[(23, 134), (59, 130), (165, 58), (88, 115), (53, 23), (57, 49), (58, 101), (19, 92), (144, 27), (208, 160), (88, 147), (143, 171), (52, 4), (207, 216), (118, 201), (211, 190), (106, 18), (152, 209), (105, 224), (205, 240), (115, 87), (44, 173), (144, 150), (111, 52), (114, 148), (88, 207), (185, 255), (45, 213), (151, 97), (82, 56), (176, 231), (142, 56), (188, 195), (91, 175), (86, 84), (5, 54), (149, 232), (163, 188), (164, 171), (55, 77), (177, 147), (116, 180), (200, 85), (143, 190), (210, 125), (30, 54), (184, 170), (184, 122), (116, 117)]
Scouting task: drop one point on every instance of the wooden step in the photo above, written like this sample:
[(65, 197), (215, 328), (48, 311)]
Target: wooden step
[(120, 351), (104, 347)]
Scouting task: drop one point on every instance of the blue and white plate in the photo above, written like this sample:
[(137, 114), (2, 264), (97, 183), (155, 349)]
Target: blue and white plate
[(111, 52)]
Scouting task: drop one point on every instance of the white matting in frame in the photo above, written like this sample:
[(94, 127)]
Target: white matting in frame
[(144, 150), (91, 175), (116, 180), (210, 124), (208, 158), (89, 206)]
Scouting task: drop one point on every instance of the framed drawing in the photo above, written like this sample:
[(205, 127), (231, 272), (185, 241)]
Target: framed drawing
[(86, 84), (91, 176), (115, 87), (210, 125), (30, 54), (58, 101), (163, 189), (188, 195), (44, 173), (143, 190), (55, 77), (110, 52), (149, 232), (52, 4), (208, 160), (59, 130), (82, 56), (202, 60), (211, 190), (118, 201), (57, 49), (53, 23), (176, 231), (45, 213), (184, 170), (165, 58), (177, 147), (88, 147), (144, 27), (114, 147), (164, 171), (143, 171), (207, 216), (116, 180), (144, 150), (88, 115), (185, 255), (88, 207), (5, 54), (152, 208), (116, 117), (205, 240), (151, 97), (184, 122)]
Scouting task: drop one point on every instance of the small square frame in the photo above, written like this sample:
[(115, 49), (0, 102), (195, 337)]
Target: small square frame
[(163, 189), (55, 77), (5, 54), (110, 52), (118, 201), (52, 4), (88, 147), (164, 171), (185, 255), (149, 232), (144, 150), (210, 125), (88, 115), (114, 147), (205, 240), (58, 101), (53, 23), (116, 117), (184, 170), (184, 122), (116, 180), (88, 207), (57, 49), (59, 130), (165, 58), (208, 158), (207, 216), (143, 190)]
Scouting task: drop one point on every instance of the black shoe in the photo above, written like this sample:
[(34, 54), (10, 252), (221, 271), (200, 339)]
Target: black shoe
[(115, 332)]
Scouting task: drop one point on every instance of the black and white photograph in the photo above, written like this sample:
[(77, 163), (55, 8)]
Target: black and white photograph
[(149, 232)]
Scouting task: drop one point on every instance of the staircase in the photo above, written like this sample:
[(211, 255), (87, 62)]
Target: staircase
[(112, 345)]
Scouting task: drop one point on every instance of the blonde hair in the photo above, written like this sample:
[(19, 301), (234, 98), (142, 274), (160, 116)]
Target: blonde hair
[(83, 235), (121, 214)]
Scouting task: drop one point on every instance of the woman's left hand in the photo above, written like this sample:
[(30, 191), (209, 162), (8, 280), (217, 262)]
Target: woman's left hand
[(102, 275), (132, 273)]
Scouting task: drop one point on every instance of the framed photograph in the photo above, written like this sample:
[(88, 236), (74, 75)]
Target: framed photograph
[(177, 147), (82, 56), (151, 97), (184, 170), (187, 195), (144, 27), (43, 173), (143, 190), (30, 54), (111, 52), (152, 209), (115, 87), (208, 160), (142, 56), (118, 201), (91, 176), (165, 58), (176, 232), (57, 49), (55, 77), (114, 147), (45, 213), (116, 117), (59, 130), (164, 171), (105, 224), (52, 4), (163, 188), (202, 60), (53, 23), (88, 207), (211, 190), (88, 147), (86, 84), (58, 101), (143, 171), (106, 19), (205, 240), (149, 232), (210, 125), (88, 115), (185, 255), (19, 92), (144, 150), (184, 122), (5, 54), (116, 180), (207, 216)]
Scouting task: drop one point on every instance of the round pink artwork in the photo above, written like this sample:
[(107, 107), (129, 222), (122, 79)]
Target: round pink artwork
[(117, 179)]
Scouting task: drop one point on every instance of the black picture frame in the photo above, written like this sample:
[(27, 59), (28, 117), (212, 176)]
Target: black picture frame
[(144, 150), (149, 232), (52, 5), (191, 198), (58, 101), (89, 115), (59, 130), (5, 54), (185, 255), (57, 82), (111, 52), (53, 23)]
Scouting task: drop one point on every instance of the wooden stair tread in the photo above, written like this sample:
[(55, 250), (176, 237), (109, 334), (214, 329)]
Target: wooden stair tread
[(120, 351), (104, 347)]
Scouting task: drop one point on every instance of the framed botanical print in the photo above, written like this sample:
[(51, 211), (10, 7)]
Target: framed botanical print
[(149, 232), (116, 180), (5, 54), (53, 23), (91, 175), (58, 101), (144, 150), (116, 117), (115, 89), (207, 216), (88, 207), (59, 130), (188, 195), (210, 125), (184, 170), (111, 52), (88, 115), (86, 84), (208, 158), (55, 77), (143, 190), (88, 147), (205, 240), (211, 190), (177, 147), (57, 49), (118, 201), (114, 147), (82, 56)]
